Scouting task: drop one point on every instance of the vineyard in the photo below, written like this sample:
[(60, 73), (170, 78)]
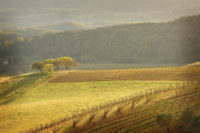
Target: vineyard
[(127, 116), (163, 73), (117, 100), (144, 119)]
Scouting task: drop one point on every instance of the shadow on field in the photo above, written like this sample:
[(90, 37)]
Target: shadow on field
[(17, 90)]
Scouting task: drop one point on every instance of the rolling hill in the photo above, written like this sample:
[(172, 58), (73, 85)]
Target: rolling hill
[(174, 42), (27, 101), (171, 42)]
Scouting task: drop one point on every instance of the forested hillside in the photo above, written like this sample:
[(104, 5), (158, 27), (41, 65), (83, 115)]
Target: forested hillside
[(172, 42), (8, 37)]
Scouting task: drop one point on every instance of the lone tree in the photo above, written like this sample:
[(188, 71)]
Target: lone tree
[(48, 67), (38, 66)]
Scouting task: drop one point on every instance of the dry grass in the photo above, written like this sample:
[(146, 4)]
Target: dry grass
[(52, 101)]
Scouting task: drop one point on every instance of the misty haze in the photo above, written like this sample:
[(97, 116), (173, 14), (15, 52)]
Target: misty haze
[(99, 66)]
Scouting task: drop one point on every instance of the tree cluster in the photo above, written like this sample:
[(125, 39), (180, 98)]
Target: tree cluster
[(49, 65)]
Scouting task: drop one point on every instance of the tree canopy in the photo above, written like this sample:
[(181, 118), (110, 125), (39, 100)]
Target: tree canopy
[(38, 66), (68, 62), (49, 65)]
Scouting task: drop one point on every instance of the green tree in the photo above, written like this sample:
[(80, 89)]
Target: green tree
[(48, 67), (38, 66), (49, 61), (57, 64), (187, 116), (68, 62), (164, 120), (188, 122)]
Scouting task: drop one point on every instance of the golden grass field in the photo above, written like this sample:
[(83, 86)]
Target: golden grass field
[(30, 100)]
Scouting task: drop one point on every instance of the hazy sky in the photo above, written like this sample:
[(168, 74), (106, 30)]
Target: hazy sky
[(20, 13)]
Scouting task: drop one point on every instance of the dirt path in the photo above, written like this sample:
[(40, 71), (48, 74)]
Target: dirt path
[(3, 79)]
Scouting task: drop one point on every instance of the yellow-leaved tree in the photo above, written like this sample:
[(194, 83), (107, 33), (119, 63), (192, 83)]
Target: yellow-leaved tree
[(68, 62), (48, 68)]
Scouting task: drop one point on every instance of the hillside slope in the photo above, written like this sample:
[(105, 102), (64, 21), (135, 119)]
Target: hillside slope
[(64, 26), (28, 101), (173, 42)]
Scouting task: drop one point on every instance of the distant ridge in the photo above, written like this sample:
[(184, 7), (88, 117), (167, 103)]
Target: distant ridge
[(175, 42), (64, 26)]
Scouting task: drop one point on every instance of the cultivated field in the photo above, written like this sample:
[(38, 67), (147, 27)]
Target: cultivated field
[(31, 100), (167, 74), (131, 114)]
